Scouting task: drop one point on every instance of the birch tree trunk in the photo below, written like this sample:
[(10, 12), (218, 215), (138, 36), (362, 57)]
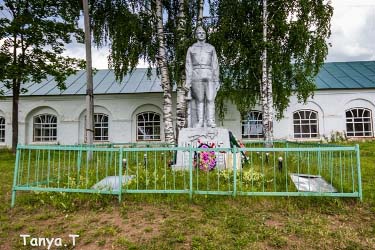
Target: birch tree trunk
[(15, 101), (200, 12), (266, 86), (270, 114), (165, 81), (181, 91)]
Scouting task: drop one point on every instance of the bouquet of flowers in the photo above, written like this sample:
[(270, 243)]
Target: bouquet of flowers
[(205, 159)]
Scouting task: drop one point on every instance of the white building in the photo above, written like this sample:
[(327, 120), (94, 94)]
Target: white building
[(131, 111)]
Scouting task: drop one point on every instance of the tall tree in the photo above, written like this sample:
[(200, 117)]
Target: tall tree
[(134, 31), (128, 27), (33, 35), (266, 85), (180, 27), (296, 48), (165, 80)]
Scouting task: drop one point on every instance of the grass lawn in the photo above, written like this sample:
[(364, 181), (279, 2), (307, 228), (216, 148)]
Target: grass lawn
[(173, 222)]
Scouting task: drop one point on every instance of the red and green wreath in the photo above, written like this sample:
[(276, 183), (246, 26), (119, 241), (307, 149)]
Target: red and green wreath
[(206, 160)]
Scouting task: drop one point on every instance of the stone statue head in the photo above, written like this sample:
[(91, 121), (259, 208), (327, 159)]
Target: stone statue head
[(200, 34)]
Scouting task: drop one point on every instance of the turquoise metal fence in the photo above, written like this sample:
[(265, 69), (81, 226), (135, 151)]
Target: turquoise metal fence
[(278, 171)]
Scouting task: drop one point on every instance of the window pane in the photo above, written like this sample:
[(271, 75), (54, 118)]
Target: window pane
[(100, 127), (252, 125), (359, 122), (349, 127), (2, 129), (305, 124), (297, 129), (45, 128), (148, 126)]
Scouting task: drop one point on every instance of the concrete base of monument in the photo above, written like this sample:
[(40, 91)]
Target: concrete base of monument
[(195, 137)]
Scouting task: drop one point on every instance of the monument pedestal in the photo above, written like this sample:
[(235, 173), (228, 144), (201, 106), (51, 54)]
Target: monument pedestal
[(194, 137)]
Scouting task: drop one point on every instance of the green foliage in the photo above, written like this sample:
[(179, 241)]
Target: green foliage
[(180, 28), (34, 34), (296, 46), (128, 28)]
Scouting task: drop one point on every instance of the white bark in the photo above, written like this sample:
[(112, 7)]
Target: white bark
[(200, 12), (270, 114), (266, 87), (181, 92), (165, 81)]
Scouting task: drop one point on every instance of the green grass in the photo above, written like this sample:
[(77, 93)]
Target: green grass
[(173, 222)]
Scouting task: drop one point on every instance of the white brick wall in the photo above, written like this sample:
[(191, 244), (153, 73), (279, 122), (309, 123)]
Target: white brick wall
[(70, 110)]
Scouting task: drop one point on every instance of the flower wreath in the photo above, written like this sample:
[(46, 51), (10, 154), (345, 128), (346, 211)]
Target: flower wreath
[(206, 159)]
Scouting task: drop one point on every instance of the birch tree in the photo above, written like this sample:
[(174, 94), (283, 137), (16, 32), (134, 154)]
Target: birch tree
[(181, 108), (134, 31), (296, 45), (165, 80), (266, 86)]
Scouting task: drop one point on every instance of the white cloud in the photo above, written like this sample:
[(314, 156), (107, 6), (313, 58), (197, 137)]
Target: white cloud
[(353, 30), (99, 56), (352, 39)]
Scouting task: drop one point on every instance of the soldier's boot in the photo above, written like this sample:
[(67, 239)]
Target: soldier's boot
[(211, 123)]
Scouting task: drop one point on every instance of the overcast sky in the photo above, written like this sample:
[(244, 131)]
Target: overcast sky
[(352, 39)]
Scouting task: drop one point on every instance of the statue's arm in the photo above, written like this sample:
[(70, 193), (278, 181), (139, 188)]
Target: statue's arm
[(188, 69)]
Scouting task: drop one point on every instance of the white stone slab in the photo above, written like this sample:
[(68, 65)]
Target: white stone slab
[(311, 183), (111, 183), (219, 137)]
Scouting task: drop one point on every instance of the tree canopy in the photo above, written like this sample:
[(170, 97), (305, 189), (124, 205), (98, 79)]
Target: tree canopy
[(296, 46), (33, 34), (128, 28)]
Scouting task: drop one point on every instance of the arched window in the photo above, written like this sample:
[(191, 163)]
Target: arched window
[(44, 128), (148, 126), (358, 122), (305, 124), (100, 127), (252, 125), (2, 129)]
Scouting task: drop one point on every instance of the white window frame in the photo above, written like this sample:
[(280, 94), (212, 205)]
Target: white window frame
[(357, 121), (252, 125), (306, 122), (147, 129), (47, 125), (102, 126), (2, 129)]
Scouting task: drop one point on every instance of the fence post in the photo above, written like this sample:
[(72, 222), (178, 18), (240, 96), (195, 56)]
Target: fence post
[(120, 175), (234, 152), (190, 172), (15, 177), (359, 172), (79, 159)]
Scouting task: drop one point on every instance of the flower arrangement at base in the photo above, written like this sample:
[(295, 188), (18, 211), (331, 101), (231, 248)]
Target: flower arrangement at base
[(206, 160)]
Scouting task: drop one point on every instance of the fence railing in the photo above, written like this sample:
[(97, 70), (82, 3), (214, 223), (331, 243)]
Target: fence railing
[(281, 171)]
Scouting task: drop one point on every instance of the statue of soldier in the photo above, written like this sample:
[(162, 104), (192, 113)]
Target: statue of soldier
[(202, 79)]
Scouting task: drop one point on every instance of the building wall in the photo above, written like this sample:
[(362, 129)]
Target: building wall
[(70, 112), (331, 106), (122, 109)]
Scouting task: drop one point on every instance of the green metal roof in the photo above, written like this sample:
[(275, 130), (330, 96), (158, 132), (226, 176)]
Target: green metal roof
[(332, 75), (346, 75)]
